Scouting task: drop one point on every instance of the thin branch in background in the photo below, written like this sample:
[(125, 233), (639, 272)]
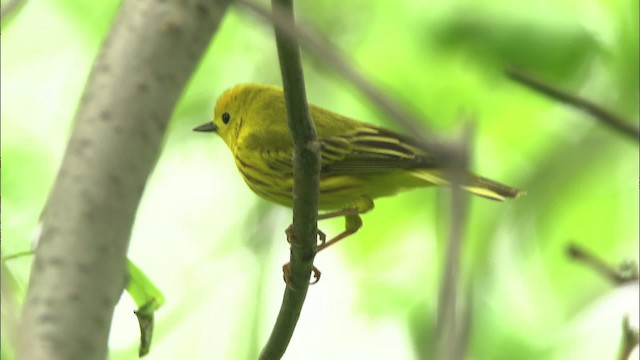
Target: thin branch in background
[(10, 10), (605, 116), (306, 171), (630, 340), (259, 222), (18, 255), (450, 330), (79, 271), (464, 329), (9, 305), (627, 272), (329, 55)]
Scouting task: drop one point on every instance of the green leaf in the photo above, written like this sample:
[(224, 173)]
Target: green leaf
[(148, 298)]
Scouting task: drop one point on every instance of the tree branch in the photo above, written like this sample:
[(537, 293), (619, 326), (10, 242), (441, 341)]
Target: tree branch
[(627, 272), (451, 331), (306, 165), (608, 118), (79, 270)]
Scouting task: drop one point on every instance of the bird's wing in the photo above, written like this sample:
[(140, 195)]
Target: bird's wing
[(365, 150), (371, 150)]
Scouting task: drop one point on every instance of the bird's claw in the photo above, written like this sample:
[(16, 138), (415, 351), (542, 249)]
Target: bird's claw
[(289, 233), (286, 274), (322, 237)]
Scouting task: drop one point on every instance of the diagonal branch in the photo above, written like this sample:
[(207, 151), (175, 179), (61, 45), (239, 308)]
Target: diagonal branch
[(306, 165), (79, 270), (605, 116), (451, 331)]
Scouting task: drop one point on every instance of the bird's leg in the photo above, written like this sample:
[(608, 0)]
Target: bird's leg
[(352, 224), (352, 220)]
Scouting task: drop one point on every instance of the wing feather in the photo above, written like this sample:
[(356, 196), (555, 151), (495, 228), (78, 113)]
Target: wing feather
[(364, 150), (371, 150)]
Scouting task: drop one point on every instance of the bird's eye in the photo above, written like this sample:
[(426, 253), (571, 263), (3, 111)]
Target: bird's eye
[(226, 117)]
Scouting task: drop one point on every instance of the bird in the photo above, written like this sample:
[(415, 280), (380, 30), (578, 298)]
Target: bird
[(360, 162)]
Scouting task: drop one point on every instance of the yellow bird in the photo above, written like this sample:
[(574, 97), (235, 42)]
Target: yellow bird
[(359, 162)]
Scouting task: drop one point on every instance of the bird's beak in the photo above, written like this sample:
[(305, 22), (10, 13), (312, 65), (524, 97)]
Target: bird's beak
[(208, 127)]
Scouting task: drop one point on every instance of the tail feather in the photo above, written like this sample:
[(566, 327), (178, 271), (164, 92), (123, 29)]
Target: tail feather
[(474, 184), (491, 189)]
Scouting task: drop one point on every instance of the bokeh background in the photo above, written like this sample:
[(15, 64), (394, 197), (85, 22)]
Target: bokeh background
[(215, 249)]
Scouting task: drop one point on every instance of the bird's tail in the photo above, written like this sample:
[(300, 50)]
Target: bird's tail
[(474, 184)]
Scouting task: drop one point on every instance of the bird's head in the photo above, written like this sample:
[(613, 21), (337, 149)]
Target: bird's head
[(228, 116)]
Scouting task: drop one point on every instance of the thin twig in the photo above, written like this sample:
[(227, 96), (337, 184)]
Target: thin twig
[(466, 322), (630, 339), (18, 255), (626, 273), (9, 288), (260, 221), (306, 170), (447, 332), (605, 116)]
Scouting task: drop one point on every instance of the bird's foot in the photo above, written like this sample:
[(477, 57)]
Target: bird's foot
[(322, 237), (286, 274)]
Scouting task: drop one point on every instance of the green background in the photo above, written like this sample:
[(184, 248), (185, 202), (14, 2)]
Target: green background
[(215, 249)]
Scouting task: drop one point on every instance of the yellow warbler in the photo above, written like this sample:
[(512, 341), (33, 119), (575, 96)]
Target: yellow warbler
[(359, 162)]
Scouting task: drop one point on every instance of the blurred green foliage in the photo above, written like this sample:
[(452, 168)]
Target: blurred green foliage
[(218, 261)]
